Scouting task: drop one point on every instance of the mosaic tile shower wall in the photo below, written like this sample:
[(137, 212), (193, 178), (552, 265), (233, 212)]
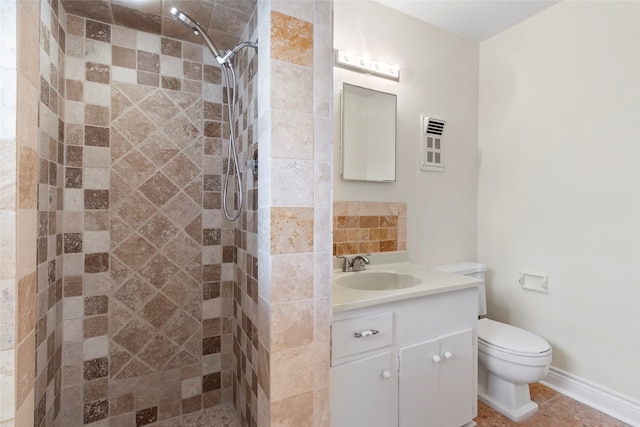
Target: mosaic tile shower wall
[(242, 249), (51, 180), (112, 72), (149, 276)]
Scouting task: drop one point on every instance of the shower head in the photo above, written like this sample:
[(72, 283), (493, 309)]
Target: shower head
[(197, 29), (181, 17)]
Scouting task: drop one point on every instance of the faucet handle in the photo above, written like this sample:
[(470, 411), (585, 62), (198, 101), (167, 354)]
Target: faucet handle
[(359, 262), (346, 266)]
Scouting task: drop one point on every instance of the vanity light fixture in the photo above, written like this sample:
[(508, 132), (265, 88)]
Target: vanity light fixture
[(367, 65)]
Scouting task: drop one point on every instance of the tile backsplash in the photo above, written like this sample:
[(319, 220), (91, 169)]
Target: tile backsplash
[(369, 227)]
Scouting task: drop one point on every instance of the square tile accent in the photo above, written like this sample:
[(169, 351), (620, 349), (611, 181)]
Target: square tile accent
[(369, 227)]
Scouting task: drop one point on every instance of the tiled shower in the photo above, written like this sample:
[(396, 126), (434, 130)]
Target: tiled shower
[(143, 306), (147, 277)]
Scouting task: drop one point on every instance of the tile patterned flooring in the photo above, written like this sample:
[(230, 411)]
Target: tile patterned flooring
[(218, 416), (556, 410)]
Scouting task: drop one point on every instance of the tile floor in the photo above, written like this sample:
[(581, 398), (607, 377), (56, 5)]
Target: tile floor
[(556, 410), (218, 416)]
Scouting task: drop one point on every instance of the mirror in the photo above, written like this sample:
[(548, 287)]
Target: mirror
[(368, 134)]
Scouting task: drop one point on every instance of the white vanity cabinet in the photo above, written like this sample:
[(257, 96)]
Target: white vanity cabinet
[(446, 364), (364, 392), (413, 364)]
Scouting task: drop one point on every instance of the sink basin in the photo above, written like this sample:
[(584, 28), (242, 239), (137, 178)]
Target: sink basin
[(377, 281)]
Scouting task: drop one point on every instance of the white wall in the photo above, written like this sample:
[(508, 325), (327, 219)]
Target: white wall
[(559, 183), (438, 77)]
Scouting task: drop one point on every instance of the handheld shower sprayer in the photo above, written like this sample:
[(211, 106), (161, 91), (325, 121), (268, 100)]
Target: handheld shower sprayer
[(197, 29), (224, 59)]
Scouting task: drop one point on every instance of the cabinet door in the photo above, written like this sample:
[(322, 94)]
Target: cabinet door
[(437, 382), (418, 382), (364, 392), (457, 379)]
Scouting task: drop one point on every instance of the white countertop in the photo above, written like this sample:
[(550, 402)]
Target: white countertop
[(431, 282)]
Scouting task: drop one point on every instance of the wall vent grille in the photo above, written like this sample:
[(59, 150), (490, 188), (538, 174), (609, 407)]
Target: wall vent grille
[(431, 144), (435, 126)]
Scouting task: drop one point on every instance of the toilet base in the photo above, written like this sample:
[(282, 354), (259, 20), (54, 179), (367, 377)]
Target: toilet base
[(511, 400)]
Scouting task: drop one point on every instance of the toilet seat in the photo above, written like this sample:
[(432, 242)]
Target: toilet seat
[(504, 338)]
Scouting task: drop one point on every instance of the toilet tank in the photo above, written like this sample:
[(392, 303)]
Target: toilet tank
[(471, 269)]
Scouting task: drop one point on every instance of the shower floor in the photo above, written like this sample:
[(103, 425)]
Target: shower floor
[(219, 416)]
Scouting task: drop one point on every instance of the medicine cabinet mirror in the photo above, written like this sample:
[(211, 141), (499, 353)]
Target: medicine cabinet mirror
[(368, 134)]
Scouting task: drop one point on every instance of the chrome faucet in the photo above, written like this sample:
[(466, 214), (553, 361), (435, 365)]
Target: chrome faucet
[(357, 263)]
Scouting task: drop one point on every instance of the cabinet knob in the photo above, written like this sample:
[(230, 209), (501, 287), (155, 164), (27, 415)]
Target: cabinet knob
[(386, 375), (448, 354), (436, 358)]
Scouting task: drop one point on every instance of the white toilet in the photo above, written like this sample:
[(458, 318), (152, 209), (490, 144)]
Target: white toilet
[(509, 358)]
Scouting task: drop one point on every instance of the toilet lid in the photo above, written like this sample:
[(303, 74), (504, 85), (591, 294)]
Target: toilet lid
[(510, 338)]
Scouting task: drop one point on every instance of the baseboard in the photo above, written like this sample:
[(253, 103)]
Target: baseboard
[(604, 400)]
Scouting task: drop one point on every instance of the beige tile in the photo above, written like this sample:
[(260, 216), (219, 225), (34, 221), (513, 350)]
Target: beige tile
[(95, 178), (97, 52), (292, 182), (322, 186), (8, 174), (322, 96), (292, 135), (293, 411), (323, 49), (8, 244), (28, 42), (27, 120), (7, 313), (292, 277), (287, 79), (24, 414), (291, 324), (7, 379), (321, 408), (298, 9), (291, 372), (291, 230)]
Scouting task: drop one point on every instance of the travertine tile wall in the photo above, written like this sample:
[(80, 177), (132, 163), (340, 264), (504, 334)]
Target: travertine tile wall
[(8, 214), (369, 227), (298, 256), (49, 260), (244, 250), (19, 85), (294, 305), (149, 276)]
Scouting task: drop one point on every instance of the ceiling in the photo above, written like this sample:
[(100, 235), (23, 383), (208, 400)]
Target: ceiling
[(224, 20), (472, 19)]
